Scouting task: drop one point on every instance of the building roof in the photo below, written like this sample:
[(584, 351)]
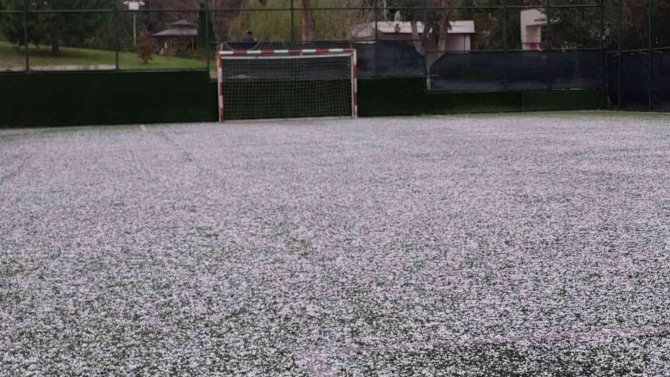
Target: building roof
[(175, 33), (462, 27), (367, 30), (533, 17), (179, 29), (182, 24), (395, 27)]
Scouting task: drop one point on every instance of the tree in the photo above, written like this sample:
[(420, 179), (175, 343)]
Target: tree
[(308, 27), (12, 25), (53, 28), (222, 18), (308, 23), (635, 23), (225, 11), (155, 12), (488, 22), (435, 20), (145, 47), (573, 27), (205, 30)]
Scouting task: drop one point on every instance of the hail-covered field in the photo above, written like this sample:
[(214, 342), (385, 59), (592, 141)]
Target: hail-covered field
[(492, 245)]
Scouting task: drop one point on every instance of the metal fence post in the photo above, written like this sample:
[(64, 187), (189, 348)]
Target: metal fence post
[(25, 34), (619, 89), (651, 55), (549, 46), (504, 31), (425, 18), (603, 55), (376, 5), (426, 68), (208, 49), (292, 22), (117, 44)]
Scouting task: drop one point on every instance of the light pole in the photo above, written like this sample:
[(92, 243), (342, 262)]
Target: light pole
[(134, 6)]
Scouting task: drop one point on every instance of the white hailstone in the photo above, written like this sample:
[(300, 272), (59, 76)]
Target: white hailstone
[(532, 243)]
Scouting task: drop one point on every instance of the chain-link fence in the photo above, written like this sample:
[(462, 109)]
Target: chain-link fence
[(638, 60), (72, 35), (455, 45)]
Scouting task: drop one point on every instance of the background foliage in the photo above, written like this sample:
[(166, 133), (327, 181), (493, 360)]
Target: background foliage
[(281, 20)]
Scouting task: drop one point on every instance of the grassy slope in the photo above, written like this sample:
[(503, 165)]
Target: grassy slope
[(13, 57)]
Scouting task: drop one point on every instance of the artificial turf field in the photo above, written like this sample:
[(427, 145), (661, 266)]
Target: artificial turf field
[(489, 245)]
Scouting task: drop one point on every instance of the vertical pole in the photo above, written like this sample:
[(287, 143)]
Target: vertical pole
[(219, 85), (292, 21), (425, 50), (207, 49), (549, 46), (354, 85), (504, 27), (620, 53), (651, 55), (425, 18), (25, 34), (117, 45), (603, 56), (504, 24), (376, 5), (134, 28)]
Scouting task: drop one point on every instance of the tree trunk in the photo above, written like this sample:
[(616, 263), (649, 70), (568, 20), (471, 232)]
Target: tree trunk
[(416, 38), (443, 27), (308, 23), (221, 20), (55, 46)]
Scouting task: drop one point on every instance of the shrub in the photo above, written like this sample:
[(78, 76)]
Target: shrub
[(145, 47)]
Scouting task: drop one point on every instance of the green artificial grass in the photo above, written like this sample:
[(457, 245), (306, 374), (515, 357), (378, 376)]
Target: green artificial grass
[(13, 57)]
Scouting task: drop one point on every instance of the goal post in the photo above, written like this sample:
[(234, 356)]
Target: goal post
[(304, 83)]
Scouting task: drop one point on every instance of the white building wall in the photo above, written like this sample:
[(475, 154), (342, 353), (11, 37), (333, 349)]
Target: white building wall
[(459, 42), (532, 21)]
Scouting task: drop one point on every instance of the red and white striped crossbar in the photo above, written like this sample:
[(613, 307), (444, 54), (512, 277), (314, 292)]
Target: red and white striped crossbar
[(307, 51), (292, 52)]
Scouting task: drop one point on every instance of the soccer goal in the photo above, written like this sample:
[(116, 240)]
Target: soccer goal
[(268, 84)]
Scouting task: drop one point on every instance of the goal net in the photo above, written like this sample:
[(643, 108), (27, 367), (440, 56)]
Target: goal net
[(266, 84)]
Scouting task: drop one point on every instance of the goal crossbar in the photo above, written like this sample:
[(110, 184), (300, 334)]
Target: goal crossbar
[(243, 78), (314, 51)]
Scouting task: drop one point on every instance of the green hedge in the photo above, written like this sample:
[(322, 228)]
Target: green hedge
[(77, 98)]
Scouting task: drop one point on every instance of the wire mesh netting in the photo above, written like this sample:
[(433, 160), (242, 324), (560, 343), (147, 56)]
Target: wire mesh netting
[(13, 56), (629, 79), (516, 70), (661, 80), (286, 86)]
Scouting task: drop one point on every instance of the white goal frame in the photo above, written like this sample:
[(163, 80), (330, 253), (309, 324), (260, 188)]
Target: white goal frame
[(288, 54)]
